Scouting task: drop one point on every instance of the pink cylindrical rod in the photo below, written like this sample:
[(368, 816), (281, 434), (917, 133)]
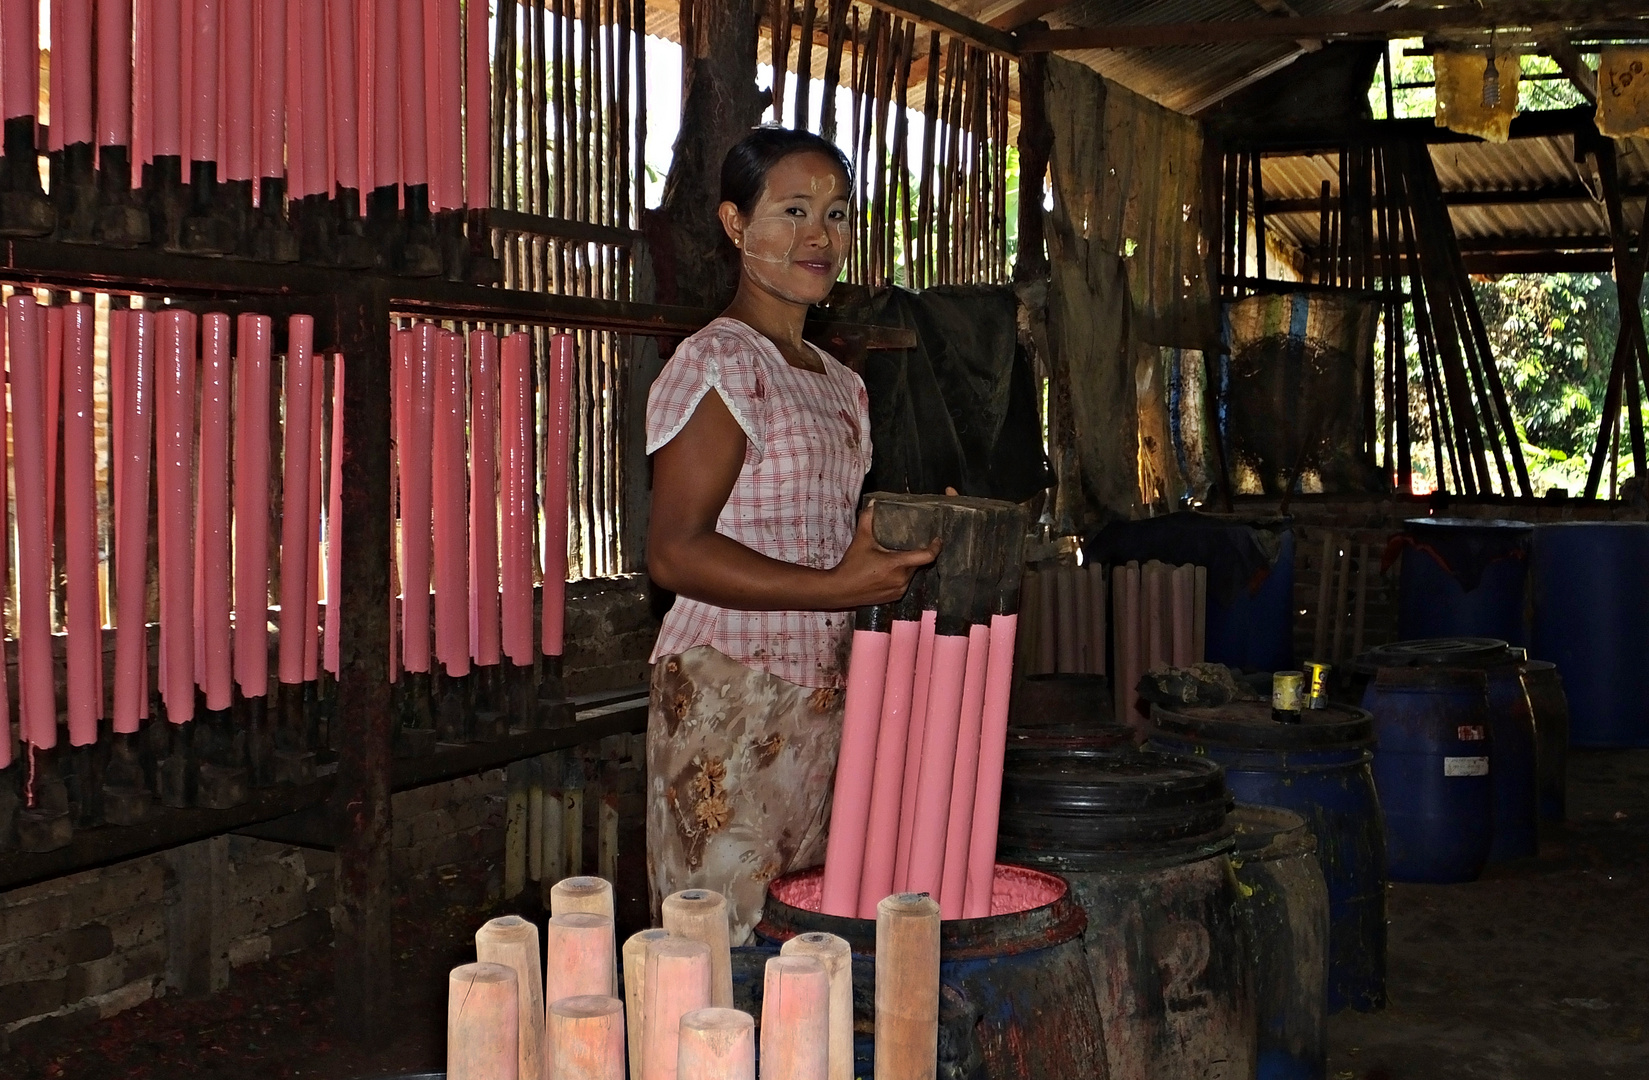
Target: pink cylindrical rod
[(5, 562), (20, 47), (270, 96), (143, 96), (240, 50), (677, 982), (558, 441), (335, 523), (174, 452), (114, 74), (164, 39), (409, 26), (54, 401), (185, 74), (882, 830), (37, 707), (584, 1038), (428, 12), (85, 634), (477, 107), (579, 957), (795, 1019), (203, 112), (482, 1023), (965, 774), (855, 770), (484, 629), (914, 742), (72, 63), (445, 131), (313, 90), (515, 445), (312, 547), (993, 744), (364, 53), (136, 405), (939, 735), (341, 89), (54, 85), (416, 460), (296, 176), (297, 534), (252, 505), (386, 100), (452, 606), (212, 525), (716, 1044)]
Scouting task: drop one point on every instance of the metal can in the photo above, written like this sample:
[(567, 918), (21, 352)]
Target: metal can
[(1287, 696), (1317, 689)]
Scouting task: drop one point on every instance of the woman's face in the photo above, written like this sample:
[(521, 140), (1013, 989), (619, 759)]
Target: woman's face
[(795, 241)]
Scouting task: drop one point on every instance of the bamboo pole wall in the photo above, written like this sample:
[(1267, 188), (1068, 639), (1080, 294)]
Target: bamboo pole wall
[(923, 117)]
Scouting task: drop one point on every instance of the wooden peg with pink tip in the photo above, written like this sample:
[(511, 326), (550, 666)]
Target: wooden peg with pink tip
[(481, 1023), (591, 895), (585, 1039), (716, 1044), (701, 915), (635, 991), (837, 957)]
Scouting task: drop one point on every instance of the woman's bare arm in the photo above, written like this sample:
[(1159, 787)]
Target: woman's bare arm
[(693, 475)]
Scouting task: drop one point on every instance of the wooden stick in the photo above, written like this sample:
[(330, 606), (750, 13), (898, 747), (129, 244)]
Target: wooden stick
[(1341, 588), (907, 987), (716, 1044), (701, 915), (635, 995), (795, 1019), (677, 983), (585, 1038), (578, 950), (804, 71), (1325, 578), (515, 831), (513, 942), (1363, 562), (481, 1023), (1199, 615), (834, 954), (1065, 599), (1083, 601)]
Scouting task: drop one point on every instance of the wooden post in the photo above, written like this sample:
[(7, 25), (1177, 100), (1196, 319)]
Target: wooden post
[(364, 959), (1035, 145)]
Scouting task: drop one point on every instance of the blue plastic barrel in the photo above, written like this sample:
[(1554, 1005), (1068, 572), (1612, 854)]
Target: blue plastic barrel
[(1254, 628), (1431, 768), (1319, 769), (1591, 619), (1463, 577)]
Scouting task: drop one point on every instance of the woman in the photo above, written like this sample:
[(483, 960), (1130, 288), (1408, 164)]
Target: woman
[(754, 489)]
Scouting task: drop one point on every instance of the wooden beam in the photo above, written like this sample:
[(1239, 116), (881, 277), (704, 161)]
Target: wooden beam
[(930, 14), (1539, 262), (1560, 193), (1569, 60), (1299, 139), (1391, 23), (1012, 16)]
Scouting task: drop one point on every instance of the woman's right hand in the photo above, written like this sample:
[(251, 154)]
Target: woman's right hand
[(872, 574)]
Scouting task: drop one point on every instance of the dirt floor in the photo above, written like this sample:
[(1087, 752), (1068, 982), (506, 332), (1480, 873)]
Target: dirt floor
[(1541, 970)]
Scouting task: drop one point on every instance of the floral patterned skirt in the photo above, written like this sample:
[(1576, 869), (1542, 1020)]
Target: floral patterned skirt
[(739, 771)]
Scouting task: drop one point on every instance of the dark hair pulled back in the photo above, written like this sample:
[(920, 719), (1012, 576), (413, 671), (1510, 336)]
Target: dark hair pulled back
[(744, 170)]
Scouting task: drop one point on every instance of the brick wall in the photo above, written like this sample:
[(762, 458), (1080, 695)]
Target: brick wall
[(609, 634)]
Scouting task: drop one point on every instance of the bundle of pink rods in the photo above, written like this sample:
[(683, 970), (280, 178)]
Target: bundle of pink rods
[(919, 776)]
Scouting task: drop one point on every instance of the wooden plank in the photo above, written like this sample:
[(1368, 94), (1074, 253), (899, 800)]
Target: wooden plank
[(1557, 193), (1392, 23), (929, 13)]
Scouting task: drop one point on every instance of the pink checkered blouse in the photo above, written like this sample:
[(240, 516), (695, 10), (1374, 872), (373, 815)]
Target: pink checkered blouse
[(806, 454)]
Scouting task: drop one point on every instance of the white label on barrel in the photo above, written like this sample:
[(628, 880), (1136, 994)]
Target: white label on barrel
[(1471, 733), (1465, 766)]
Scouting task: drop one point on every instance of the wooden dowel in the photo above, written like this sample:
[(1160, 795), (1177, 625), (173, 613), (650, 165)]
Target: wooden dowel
[(578, 951), (1082, 600), (907, 987), (1047, 632), (635, 996), (1181, 582), (584, 1037), (836, 958), (482, 1039), (1325, 579), (702, 915), (1363, 567), (84, 626), (715, 1044), (1065, 597), (590, 895), (795, 1019), (1098, 601), (212, 541), (1341, 586), (677, 983), (1199, 614), (914, 742), (512, 942), (965, 774), (882, 826), (855, 773)]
